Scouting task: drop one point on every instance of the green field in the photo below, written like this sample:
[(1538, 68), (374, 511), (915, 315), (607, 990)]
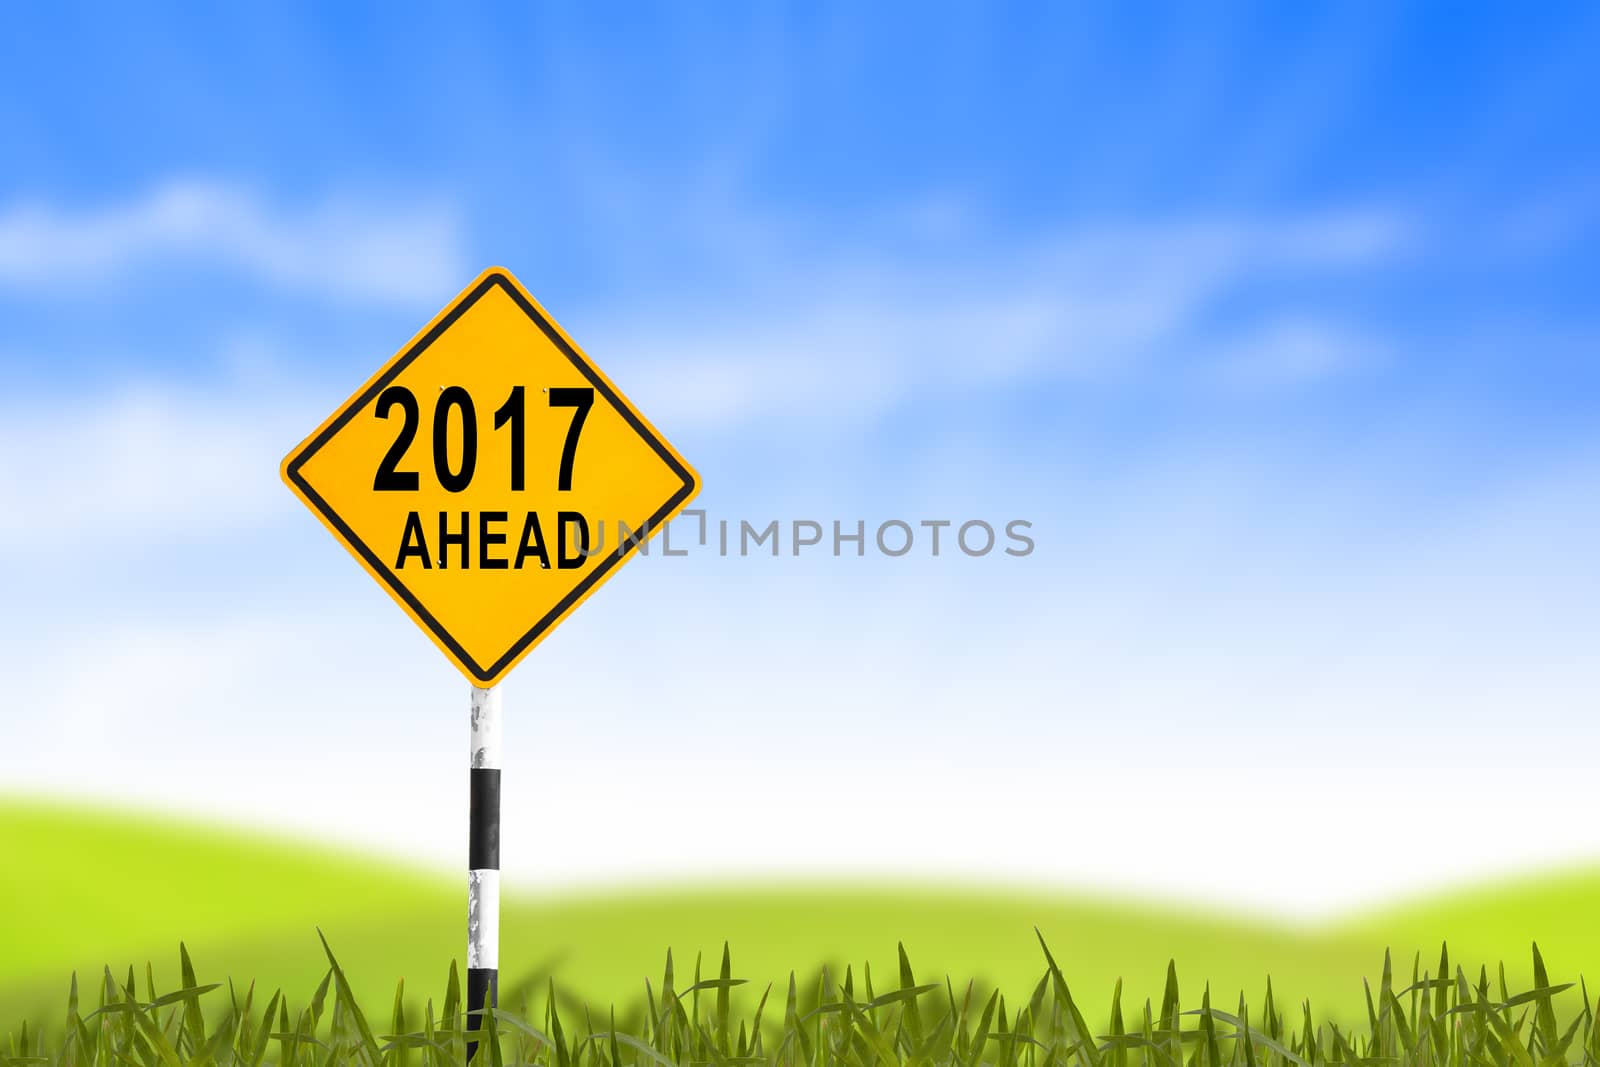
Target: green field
[(80, 889)]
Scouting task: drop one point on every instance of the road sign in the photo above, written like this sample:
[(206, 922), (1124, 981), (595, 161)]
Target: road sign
[(490, 477)]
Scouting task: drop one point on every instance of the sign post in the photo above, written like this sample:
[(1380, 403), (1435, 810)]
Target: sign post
[(490, 478), (483, 859)]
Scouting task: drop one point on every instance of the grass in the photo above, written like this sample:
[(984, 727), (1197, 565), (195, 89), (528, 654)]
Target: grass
[(1442, 1019), (81, 888)]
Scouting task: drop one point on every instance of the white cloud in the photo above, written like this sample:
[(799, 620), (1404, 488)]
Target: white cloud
[(1291, 351), (140, 463), (857, 336), (350, 247), (833, 341)]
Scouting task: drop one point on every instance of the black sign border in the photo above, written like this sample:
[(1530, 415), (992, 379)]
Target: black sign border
[(495, 279)]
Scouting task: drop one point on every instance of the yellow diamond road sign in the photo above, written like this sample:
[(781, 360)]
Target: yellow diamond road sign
[(490, 477)]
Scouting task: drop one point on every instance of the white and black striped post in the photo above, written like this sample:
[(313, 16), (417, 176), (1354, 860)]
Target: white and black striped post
[(483, 861)]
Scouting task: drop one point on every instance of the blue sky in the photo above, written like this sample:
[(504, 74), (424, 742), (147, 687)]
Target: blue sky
[(1279, 327)]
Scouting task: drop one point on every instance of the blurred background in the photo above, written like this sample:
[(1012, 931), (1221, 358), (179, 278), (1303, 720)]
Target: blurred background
[(1272, 322)]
